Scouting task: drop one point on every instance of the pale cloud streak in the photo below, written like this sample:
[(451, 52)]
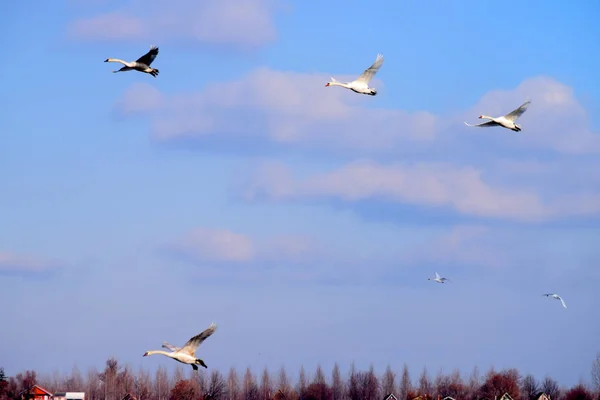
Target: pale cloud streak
[(239, 23), (222, 245), (461, 189), (287, 108), (16, 264)]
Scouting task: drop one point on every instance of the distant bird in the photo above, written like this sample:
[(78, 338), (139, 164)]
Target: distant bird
[(438, 278), (361, 84), (187, 354), (507, 121), (142, 64), (557, 297)]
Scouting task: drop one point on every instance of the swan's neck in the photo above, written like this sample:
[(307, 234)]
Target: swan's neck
[(339, 84), (164, 353), (487, 117), (128, 64)]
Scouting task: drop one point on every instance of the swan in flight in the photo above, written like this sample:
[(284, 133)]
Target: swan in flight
[(557, 297), (142, 64), (506, 121), (438, 278), (361, 84), (187, 353)]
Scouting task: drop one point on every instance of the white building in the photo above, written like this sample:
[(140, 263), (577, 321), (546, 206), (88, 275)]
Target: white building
[(69, 396)]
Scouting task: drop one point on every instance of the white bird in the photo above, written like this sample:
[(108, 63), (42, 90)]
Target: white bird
[(187, 353), (438, 278), (506, 121), (142, 64), (557, 297), (361, 84)]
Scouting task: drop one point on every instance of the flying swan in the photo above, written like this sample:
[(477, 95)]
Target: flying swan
[(361, 84), (187, 353), (142, 64), (557, 297), (438, 278), (506, 121)]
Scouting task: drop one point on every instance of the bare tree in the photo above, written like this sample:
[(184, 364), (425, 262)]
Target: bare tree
[(216, 385), (388, 381), (178, 374), (25, 382), (125, 383), (142, 384), (425, 385), (405, 384), (283, 383), (109, 379), (93, 385), (301, 383), (265, 385), (233, 385), (474, 384), (199, 378), (162, 386), (441, 385), (529, 387), (363, 385), (337, 385), (371, 384), (596, 373), (251, 391), (550, 387), (319, 376)]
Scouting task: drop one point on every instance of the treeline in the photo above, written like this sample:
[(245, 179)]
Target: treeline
[(116, 381)]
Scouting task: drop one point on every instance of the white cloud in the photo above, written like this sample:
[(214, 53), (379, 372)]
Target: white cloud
[(462, 189), (295, 109), (246, 24), (288, 108), (554, 120)]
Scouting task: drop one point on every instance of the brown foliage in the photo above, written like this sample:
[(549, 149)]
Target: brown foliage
[(498, 383), (578, 392), (318, 391), (184, 389)]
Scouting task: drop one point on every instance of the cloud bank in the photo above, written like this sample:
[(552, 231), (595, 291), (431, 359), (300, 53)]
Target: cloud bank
[(292, 109), (237, 23)]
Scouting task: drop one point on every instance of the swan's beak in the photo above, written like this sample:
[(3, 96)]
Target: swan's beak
[(327, 84), (106, 60), (481, 116), (145, 354)]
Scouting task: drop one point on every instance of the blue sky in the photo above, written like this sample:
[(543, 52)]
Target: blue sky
[(303, 220)]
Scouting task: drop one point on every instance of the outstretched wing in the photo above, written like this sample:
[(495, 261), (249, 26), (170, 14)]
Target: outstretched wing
[(562, 301), (149, 56), (484, 124), (437, 276), (370, 72), (192, 344), (513, 115), (170, 347)]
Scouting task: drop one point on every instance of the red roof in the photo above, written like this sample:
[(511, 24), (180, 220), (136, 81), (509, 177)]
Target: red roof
[(38, 390)]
